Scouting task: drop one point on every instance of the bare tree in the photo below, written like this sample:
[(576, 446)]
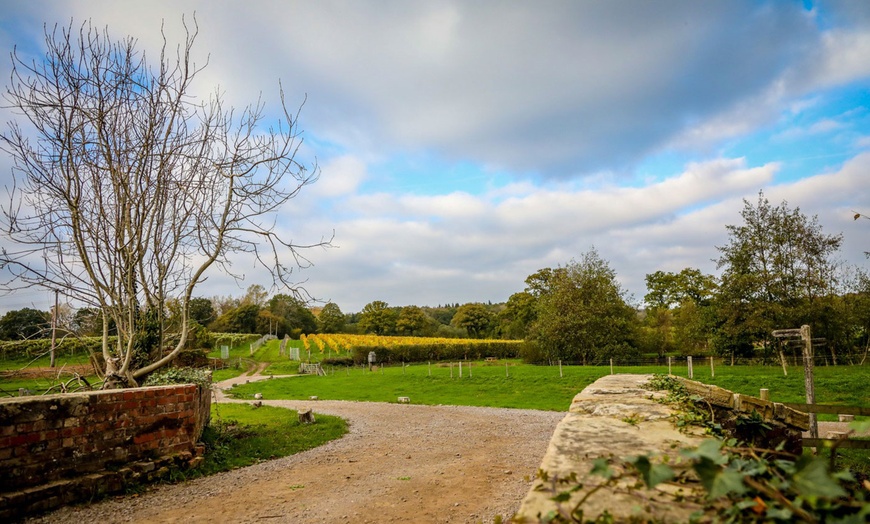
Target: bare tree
[(127, 188)]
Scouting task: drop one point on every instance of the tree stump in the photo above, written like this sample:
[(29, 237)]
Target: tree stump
[(306, 416)]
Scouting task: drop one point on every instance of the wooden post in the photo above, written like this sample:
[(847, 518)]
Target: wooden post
[(506, 374), (809, 383), (764, 394), (460, 369), (712, 371), (306, 416), (53, 330), (469, 370), (691, 372), (430, 368), (669, 366), (560, 369), (783, 362), (451, 370), (611, 366)]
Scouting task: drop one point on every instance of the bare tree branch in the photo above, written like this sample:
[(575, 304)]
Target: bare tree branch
[(127, 190)]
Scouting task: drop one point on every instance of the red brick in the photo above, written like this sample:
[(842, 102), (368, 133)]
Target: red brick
[(72, 431), (24, 427), (144, 437), (27, 438)]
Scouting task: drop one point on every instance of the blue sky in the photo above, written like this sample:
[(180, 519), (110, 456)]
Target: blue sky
[(465, 145)]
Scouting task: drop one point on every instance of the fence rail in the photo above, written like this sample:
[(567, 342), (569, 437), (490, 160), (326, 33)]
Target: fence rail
[(829, 409), (840, 443)]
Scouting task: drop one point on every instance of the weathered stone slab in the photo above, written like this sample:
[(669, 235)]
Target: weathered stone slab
[(613, 417)]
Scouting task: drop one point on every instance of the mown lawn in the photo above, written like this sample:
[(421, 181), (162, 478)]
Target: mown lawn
[(541, 387), (240, 435)]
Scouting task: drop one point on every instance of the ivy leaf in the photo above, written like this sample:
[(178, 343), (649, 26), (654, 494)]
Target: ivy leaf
[(602, 469), (779, 513), (652, 474), (726, 482), (812, 481), (710, 449), (562, 497)]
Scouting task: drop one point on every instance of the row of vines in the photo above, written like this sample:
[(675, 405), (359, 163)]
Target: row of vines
[(408, 349)]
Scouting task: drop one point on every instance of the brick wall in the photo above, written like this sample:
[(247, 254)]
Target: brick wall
[(46, 440)]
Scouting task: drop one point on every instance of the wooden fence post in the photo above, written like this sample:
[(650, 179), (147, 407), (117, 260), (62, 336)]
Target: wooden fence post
[(809, 384), (691, 371)]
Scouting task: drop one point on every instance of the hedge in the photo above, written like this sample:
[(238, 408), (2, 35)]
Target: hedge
[(477, 350)]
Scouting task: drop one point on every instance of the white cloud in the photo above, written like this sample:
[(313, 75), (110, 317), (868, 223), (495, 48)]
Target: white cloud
[(459, 247)]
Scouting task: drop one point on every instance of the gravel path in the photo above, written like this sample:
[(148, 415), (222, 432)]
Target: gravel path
[(398, 463)]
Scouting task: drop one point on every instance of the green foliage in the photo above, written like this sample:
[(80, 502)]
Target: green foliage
[(167, 376), (331, 319), (517, 317), (471, 350), (474, 318), (24, 349), (289, 316), (23, 324), (377, 317), (201, 310), (581, 314), (413, 321), (777, 273)]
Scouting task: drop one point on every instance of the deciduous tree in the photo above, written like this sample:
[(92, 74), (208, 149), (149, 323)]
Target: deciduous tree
[(582, 314), (777, 269), (475, 318), (129, 186), (377, 317), (331, 319)]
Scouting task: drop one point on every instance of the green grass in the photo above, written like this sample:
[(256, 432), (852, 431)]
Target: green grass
[(240, 435), (843, 385), (529, 387), (541, 387)]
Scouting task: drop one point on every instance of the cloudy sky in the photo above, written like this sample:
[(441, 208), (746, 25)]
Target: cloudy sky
[(463, 145)]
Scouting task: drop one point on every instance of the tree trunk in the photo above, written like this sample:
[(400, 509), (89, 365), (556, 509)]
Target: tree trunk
[(306, 416)]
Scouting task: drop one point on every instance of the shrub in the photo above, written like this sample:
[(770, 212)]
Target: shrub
[(168, 376)]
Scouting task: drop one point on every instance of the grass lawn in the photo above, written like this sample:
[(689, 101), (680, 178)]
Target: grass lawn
[(541, 387), (484, 384), (240, 435)]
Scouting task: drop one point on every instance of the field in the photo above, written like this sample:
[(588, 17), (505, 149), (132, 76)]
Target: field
[(503, 383), (516, 385)]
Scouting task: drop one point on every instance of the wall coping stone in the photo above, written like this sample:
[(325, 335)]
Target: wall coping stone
[(612, 417)]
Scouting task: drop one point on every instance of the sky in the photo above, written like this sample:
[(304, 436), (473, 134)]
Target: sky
[(463, 145)]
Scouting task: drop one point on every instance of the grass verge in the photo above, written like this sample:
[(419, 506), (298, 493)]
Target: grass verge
[(240, 435)]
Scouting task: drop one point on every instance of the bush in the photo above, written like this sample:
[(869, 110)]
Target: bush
[(168, 376), (459, 350), (338, 361), (532, 353)]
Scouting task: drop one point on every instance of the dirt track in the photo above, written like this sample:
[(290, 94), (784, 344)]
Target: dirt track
[(398, 463)]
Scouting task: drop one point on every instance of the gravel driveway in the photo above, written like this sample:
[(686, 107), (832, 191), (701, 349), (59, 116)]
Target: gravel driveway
[(398, 463)]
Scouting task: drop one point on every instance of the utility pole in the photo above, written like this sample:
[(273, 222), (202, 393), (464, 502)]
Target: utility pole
[(53, 329)]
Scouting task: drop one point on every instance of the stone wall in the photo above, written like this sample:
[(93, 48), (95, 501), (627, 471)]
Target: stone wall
[(617, 417), (56, 449)]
